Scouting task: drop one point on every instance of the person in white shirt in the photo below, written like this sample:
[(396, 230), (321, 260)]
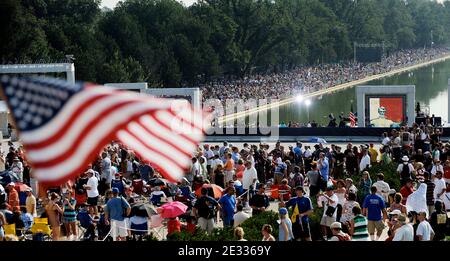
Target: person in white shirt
[(3, 195), (209, 155), (216, 162), (365, 161), (382, 187), (307, 153), (439, 187), (92, 191), (249, 177), (2, 160), (437, 166), (424, 230), (405, 232), (447, 199), (195, 170), (329, 201), (17, 168), (405, 169), (386, 140), (240, 216), (350, 187), (106, 171), (30, 203)]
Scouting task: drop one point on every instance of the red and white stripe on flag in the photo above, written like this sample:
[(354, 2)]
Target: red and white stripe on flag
[(164, 132), (352, 119)]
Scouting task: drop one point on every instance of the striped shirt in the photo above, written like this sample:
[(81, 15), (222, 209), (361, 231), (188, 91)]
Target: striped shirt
[(70, 214), (360, 232), (430, 192)]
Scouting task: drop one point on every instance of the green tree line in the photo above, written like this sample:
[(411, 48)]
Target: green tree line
[(168, 44)]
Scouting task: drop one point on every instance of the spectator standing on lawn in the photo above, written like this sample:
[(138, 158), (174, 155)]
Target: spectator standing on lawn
[(373, 209)]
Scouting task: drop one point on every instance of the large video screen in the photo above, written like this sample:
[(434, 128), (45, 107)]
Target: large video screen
[(386, 111)]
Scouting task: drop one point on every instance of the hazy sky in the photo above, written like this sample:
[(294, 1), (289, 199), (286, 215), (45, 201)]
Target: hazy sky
[(112, 3)]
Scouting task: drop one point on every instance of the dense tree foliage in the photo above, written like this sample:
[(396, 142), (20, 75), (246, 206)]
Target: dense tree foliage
[(168, 44)]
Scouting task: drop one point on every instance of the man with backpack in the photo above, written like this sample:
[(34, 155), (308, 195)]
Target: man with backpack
[(338, 234), (405, 170)]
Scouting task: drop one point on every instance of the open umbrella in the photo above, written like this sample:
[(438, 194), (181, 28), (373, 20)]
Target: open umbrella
[(213, 190), (317, 140), (157, 182), (7, 177), (142, 210), (172, 209), (21, 186)]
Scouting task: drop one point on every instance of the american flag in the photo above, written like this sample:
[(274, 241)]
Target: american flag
[(352, 119), (63, 127)]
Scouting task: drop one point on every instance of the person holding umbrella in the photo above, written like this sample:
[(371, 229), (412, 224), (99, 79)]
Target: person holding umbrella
[(204, 210), (172, 210)]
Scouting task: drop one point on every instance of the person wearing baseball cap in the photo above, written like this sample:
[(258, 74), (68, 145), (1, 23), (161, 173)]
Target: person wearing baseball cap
[(92, 191), (13, 197), (338, 234), (393, 223), (302, 209), (405, 232), (285, 227), (30, 202), (116, 210), (118, 183), (17, 168)]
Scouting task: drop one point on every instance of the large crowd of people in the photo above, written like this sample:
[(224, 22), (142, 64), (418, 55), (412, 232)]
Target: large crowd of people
[(308, 79), (228, 184)]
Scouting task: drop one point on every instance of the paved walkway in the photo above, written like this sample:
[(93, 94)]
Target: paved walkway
[(332, 89)]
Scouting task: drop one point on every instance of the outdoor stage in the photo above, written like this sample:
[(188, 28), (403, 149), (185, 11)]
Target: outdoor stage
[(305, 134)]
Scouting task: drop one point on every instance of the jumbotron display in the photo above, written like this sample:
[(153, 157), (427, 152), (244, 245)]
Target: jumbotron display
[(386, 111)]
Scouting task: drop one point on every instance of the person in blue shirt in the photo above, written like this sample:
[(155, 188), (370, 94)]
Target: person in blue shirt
[(298, 154), (87, 222), (146, 171), (235, 154), (118, 183), (373, 206), (27, 218), (115, 211), (324, 169), (302, 208), (285, 227), (280, 171), (228, 204), (222, 151)]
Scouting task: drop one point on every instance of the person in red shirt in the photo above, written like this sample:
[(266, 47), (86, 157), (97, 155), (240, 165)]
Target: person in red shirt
[(285, 190), (13, 197), (406, 190), (173, 227), (190, 226), (240, 169)]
